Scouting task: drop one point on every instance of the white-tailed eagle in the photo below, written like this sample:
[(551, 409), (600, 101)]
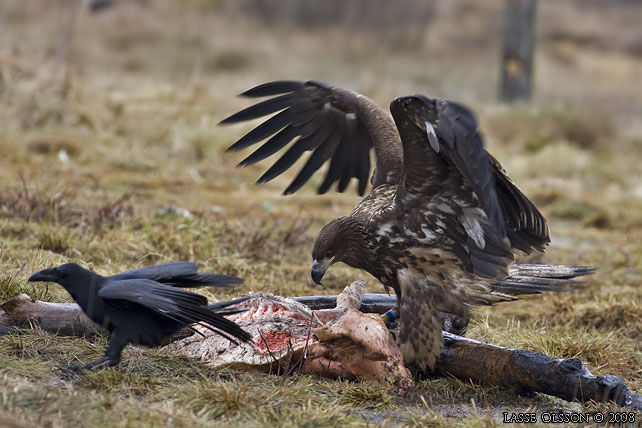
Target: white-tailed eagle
[(442, 222)]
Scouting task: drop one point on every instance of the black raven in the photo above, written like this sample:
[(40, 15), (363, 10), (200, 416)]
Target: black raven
[(142, 306)]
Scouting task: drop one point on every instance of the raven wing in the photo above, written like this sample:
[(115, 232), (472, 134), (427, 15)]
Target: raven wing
[(336, 124), (179, 274), (179, 305), (447, 169)]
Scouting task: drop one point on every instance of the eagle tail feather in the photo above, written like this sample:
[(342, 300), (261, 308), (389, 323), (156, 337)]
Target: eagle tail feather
[(537, 278)]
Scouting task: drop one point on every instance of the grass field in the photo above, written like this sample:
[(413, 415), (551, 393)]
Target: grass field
[(110, 157)]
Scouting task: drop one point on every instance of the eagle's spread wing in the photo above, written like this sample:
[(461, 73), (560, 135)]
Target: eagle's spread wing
[(526, 227), (448, 171), (335, 124)]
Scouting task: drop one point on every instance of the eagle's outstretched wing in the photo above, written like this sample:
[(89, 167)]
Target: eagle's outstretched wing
[(526, 227), (335, 124), (448, 170)]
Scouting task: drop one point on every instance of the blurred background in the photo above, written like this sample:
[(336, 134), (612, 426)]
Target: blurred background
[(114, 106), (110, 156)]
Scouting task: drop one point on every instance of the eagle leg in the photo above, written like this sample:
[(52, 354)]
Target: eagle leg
[(420, 337)]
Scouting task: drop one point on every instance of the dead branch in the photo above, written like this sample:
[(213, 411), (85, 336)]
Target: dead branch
[(63, 318), (523, 370), (6, 326), (372, 302)]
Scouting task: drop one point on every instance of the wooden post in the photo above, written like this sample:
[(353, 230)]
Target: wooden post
[(517, 55)]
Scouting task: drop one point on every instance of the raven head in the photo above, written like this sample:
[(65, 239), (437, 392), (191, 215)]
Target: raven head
[(69, 275), (341, 240)]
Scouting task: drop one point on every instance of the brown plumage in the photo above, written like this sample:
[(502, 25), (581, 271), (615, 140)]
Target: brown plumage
[(442, 222)]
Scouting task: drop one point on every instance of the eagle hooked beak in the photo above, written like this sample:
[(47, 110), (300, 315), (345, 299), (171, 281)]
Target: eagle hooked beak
[(319, 268)]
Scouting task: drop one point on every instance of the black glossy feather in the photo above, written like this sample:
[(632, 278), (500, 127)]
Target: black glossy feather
[(179, 274), (160, 271)]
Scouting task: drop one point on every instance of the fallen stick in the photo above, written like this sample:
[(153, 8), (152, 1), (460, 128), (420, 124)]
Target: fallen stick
[(379, 303), (523, 370), (63, 318), (376, 303), (463, 358), (68, 318), (6, 326)]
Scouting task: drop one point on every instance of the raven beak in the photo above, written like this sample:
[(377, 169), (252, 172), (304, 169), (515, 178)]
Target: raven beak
[(318, 270), (47, 275)]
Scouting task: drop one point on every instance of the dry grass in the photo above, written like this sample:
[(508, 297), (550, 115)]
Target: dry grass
[(111, 158)]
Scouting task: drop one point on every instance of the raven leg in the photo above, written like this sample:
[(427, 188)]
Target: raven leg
[(97, 363), (112, 353)]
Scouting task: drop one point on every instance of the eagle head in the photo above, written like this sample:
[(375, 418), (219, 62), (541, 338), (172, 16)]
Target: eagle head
[(341, 240)]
